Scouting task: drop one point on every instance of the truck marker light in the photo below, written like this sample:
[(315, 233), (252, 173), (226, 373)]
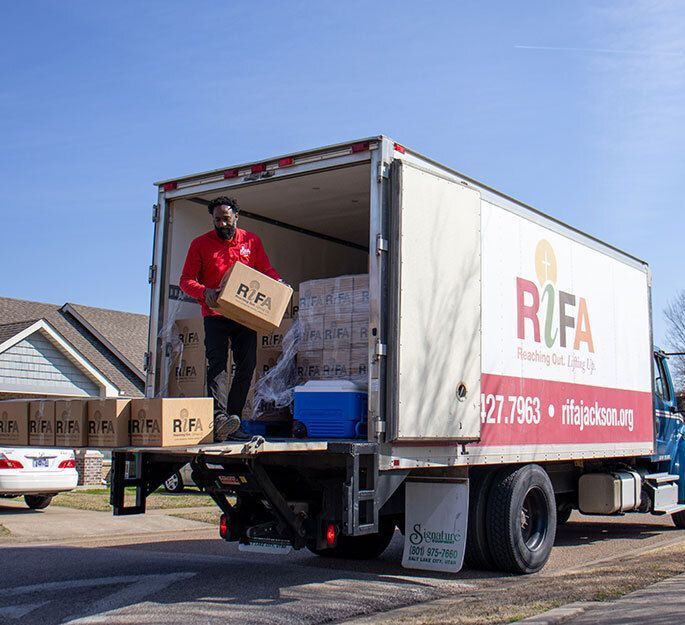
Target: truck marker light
[(331, 535), (223, 526), (400, 148), (258, 169), (67, 464), (170, 186), (360, 147), (286, 162), (396, 462), (230, 173)]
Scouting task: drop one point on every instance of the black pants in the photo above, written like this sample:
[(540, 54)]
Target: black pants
[(218, 332)]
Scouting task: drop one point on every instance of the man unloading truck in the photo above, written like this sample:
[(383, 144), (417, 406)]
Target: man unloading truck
[(209, 257)]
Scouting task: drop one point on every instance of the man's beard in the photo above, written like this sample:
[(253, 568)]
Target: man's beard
[(225, 233)]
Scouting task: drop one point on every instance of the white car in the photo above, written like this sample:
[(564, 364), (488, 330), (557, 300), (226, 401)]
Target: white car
[(37, 474)]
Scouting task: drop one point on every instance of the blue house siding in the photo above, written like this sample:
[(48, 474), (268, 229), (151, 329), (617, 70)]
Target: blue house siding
[(35, 365)]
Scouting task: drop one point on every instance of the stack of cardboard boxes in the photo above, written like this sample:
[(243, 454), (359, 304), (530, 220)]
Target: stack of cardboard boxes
[(334, 315), (106, 423)]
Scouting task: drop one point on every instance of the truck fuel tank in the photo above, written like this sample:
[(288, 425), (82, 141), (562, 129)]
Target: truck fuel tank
[(609, 493)]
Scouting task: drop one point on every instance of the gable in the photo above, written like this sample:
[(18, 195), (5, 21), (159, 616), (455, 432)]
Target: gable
[(35, 365)]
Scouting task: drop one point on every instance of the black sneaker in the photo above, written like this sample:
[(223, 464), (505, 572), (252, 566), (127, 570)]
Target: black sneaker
[(239, 435), (225, 425)]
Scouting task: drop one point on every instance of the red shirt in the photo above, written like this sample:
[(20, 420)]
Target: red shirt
[(210, 257)]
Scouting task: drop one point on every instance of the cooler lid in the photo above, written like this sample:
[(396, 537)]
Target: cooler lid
[(331, 386)]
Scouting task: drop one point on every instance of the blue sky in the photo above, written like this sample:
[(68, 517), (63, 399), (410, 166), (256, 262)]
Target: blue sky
[(575, 107)]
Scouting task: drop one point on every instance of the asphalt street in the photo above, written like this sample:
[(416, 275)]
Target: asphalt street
[(190, 576)]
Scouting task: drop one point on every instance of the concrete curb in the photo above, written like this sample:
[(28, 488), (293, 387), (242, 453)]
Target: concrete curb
[(559, 615)]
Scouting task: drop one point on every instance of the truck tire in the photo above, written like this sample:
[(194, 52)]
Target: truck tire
[(477, 553), (522, 519), (359, 547), (38, 502), (679, 519)]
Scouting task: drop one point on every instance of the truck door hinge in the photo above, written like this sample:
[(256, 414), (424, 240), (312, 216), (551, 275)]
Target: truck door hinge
[(155, 213), (380, 425), (152, 274), (383, 171), (146, 360), (380, 350), (381, 244)]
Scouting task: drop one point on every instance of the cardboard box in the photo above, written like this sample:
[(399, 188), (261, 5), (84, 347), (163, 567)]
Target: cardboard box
[(336, 364), (108, 423), (360, 329), (361, 293), (14, 423), (253, 299), (337, 331), (188, 367), (339, 294), (359, 364), (274, 340), (266, 359), (171, 421), (294, 306), (312, 332), (42, 423), (71, 423), (309, 365), (311, 300)]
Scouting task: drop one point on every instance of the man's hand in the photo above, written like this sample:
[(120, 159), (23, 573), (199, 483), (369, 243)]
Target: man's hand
[(211, 296)]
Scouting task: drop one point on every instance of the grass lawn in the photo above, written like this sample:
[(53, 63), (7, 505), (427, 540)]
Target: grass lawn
[(98, 499)]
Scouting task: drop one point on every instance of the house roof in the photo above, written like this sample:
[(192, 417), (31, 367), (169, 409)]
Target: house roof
[(102, 336), (8, 330)]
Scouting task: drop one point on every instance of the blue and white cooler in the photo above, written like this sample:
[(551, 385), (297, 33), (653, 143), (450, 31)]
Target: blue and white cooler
[(332, 408)]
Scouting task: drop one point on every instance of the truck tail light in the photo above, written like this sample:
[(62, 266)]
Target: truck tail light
[(230, 173), (170, 186), (286, 162), (258, 169), (360, 147), (67, 464), (331, 534), (400, 148), (223, 526), (6, 463)]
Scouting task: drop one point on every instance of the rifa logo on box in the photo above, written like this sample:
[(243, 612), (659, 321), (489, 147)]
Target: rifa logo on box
[(40, 426), (186, 371), (535, 304), (7, 425), (186, 424), (251, 293), (143, 425), (100, 425), (189, 338), (341, 332), (67, 426)]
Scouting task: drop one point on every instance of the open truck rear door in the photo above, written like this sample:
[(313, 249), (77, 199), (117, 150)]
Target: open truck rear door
[(434, 355)]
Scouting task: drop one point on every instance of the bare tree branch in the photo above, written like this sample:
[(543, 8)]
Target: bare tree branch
[(675, 336)]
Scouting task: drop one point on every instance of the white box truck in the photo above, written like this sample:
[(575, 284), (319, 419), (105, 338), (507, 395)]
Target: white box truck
[(511, 372)]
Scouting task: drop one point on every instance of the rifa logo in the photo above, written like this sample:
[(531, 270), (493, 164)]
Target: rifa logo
[(252, 294), (142, 425), (564, 315), (7, 425), (188, 337), (185, 370), (186, 424), (99, 425), (65, 425), (245, 251)]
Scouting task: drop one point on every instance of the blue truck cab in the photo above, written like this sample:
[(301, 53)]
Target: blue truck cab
[(670, 426)]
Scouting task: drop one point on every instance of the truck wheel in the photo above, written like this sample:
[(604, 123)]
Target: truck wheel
[(38, 502), (522, 519), (679, 519), (359, 547), (477, 553), (174, 484)]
